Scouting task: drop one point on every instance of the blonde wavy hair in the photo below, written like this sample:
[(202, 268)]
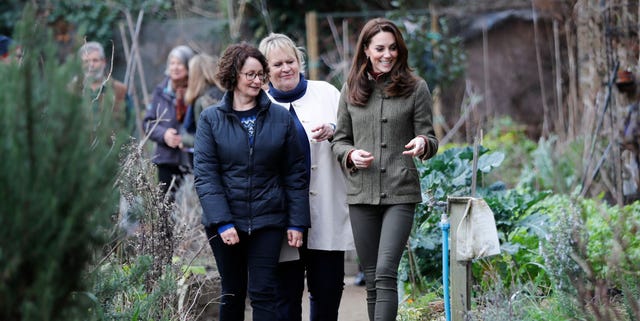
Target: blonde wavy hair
[(202, 75)]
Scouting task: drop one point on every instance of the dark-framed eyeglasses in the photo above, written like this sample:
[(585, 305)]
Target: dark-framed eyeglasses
[(250, 76)]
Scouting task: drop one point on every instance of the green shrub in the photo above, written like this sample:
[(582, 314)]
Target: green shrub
[(508, 137), (121, 292), (554, 167), (446, 174), (570, 259), (57, 182), (591, 253)]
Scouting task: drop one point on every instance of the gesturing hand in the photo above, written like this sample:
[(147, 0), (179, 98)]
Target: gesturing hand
[(322, 132), (416, 147), (361, 158)]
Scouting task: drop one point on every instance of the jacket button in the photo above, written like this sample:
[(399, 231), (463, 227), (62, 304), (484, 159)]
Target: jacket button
[(383, 145), (383, 120), (383, 195), (383, 170)]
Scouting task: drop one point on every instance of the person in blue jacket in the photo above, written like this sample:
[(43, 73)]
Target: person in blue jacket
[(251, 178)]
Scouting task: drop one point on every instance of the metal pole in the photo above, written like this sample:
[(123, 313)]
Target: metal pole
[(444, 225)]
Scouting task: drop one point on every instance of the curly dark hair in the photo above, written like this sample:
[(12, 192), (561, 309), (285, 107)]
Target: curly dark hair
[(233, 59)]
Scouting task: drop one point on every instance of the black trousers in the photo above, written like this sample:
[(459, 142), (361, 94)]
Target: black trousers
[(166, 174), (249, 266), (325, 282)]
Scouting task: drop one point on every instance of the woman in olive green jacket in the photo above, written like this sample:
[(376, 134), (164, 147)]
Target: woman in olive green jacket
[(384, 121)]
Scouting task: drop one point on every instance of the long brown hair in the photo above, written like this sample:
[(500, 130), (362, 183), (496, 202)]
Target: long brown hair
[(402, 79)]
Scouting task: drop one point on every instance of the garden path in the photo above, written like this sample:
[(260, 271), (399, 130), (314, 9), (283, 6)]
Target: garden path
[(353, 306)]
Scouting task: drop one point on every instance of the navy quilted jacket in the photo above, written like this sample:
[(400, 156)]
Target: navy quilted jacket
[(250, 186)]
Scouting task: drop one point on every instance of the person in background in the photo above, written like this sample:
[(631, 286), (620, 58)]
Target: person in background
[(251, 179), (9, 51), (5, 43), (314, 105), (384, 121), (164, 118), (202, 91), (103, 90)]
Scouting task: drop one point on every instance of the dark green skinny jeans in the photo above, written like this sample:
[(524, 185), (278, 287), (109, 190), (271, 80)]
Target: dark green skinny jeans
[(381, 233)]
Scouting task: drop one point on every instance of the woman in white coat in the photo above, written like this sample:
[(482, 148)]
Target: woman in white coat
[(315, 105)]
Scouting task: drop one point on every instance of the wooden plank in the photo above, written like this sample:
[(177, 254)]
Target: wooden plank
[(460, 271), (311, 21)]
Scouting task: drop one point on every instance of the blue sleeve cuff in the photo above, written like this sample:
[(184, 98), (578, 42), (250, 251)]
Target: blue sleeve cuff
[(224, 228), (295, 228)]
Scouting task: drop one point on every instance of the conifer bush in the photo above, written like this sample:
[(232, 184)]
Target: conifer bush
[(56, 181)]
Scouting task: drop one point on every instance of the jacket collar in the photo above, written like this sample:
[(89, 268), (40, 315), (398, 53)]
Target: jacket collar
[(227, 101), (379, 78), (165, 88)]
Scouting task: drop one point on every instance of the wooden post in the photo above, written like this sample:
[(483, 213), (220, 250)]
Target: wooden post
[(460, 271), (311, 21), (345, 48)]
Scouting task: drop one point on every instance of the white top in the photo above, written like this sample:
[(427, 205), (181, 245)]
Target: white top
[(330, 226)]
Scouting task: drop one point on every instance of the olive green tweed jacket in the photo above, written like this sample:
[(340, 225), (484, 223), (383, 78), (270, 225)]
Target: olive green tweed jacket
[(383, 127)]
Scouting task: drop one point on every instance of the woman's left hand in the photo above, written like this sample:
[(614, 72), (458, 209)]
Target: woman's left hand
[(416, 147), (295, 238), (322, 132)]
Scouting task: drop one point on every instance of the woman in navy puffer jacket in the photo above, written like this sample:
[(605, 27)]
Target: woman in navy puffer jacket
[(251, 177)]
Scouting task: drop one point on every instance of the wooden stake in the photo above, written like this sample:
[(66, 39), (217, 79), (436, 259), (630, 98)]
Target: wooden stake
[(311, 21)]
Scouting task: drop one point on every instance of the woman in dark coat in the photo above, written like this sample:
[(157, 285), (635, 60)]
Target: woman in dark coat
[(251, 178), (163, 119)]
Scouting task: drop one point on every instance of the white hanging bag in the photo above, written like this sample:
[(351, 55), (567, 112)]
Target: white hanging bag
[(477, 235)]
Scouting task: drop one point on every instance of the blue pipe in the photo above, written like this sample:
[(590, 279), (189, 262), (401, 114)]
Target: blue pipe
[(444, 225)]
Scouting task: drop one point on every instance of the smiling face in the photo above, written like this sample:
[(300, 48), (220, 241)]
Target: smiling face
[(382, 52), (246, 86), (177, 70), (284, 69)]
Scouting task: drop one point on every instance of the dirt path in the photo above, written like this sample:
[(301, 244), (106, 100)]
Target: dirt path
[(352, 307)]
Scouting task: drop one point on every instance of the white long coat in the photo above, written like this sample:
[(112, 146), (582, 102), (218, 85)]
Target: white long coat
[(330, 226)]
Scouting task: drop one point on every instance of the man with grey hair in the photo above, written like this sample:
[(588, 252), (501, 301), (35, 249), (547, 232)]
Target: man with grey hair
[(103, 90)]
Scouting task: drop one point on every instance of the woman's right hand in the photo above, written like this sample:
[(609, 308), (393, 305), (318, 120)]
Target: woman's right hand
[(230, 236), (294, 238), (361, 158), (172, 138)]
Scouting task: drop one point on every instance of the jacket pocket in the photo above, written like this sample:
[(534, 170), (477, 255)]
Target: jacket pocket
[(354, 182), (406, 180)]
